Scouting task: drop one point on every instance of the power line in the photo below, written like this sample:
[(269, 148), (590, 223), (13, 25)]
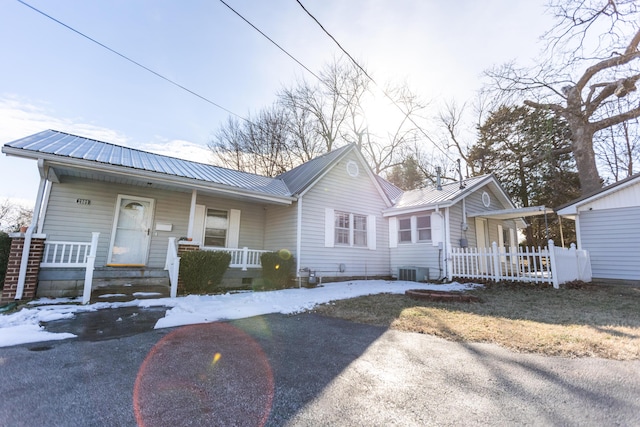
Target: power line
[(407, 115), (132, 61), (271, 40)]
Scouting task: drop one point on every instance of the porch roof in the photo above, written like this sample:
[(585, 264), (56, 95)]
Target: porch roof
[(75, 151), (512, 213)]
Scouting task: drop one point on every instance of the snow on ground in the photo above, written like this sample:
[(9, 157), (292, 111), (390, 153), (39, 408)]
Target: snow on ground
[(24, 326)]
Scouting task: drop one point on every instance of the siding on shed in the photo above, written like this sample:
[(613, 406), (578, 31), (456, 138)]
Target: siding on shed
[(612, 237), (339, 191), (623, 198)]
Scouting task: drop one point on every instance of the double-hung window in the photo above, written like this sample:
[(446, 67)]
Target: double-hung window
[(350, 229), (404, 230), (216, 226), (343, 228), (423, 226)]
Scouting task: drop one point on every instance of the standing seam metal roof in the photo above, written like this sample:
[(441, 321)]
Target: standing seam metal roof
[(77, 147)]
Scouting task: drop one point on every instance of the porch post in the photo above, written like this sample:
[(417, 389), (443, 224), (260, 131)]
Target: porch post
[(192, 213), (42, 169), (91, 262), (495, 258)]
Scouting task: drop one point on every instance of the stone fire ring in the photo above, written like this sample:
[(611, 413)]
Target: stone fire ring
[(440, 296)]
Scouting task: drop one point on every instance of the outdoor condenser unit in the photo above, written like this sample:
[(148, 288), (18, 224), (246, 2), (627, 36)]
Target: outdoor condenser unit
[(413, 274)]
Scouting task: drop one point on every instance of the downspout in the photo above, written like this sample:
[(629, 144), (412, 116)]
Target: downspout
[(43, 170), (45, 204), (192, 213), (447, 244), (299, 238)]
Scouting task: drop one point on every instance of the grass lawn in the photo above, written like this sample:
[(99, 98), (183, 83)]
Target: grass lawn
[(579, 320)]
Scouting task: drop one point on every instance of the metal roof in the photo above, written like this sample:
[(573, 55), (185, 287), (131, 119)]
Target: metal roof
[(428, 196), (390, 190), (299, 178), (76, 147)]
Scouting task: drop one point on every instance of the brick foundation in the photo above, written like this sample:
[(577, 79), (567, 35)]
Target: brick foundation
[(13, 268), (185, 246)]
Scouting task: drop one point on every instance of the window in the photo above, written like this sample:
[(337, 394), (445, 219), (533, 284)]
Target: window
[(359, 230), (424, 228), (215, 229), (350, 229), (404, 230)]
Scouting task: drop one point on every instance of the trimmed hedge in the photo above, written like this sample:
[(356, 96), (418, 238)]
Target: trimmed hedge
[(5, 248), (201, 271), (277, 270)]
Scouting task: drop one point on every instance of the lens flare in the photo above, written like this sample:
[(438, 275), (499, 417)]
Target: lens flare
[(284, 254), (177, 376)]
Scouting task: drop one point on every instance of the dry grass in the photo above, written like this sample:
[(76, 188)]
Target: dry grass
[(575, 321)]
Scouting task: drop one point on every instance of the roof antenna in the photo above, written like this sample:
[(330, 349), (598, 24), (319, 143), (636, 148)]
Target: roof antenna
[(462, 186), (438, 182)]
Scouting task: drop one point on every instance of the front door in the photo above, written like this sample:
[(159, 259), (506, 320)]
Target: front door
[(131, 231)]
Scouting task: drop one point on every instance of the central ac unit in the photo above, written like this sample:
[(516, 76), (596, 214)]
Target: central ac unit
[(413, 274)]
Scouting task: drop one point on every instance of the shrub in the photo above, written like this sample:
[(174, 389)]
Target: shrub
[(5, 248), (277, 269), (201, 271)]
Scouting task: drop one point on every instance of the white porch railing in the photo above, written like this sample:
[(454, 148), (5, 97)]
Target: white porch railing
[(243, 258), (73, 254), (552, 265), (172, 265)]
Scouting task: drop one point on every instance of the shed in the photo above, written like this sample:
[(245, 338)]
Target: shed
[(608, 226)]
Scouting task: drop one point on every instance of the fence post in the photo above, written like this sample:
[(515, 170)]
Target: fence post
[(245, 258), (495, 259), (554, 269), (88, 274)]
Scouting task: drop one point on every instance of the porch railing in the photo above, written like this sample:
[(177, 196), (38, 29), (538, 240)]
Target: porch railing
[(243, 258), (552, 265), (172, 265), (73, 254)]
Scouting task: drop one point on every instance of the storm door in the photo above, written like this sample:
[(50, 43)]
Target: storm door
[(131, 232)]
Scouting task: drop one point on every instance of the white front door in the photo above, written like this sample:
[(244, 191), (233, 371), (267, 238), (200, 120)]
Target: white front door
[(131, 231), (482, 241)]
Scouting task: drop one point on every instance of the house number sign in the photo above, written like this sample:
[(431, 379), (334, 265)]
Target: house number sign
[(83, 201)]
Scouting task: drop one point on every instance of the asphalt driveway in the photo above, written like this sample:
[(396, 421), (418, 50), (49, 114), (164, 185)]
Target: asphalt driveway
[(305, 370)]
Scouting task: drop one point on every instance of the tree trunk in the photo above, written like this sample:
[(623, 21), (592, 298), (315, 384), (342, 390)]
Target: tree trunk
[(582, 146)]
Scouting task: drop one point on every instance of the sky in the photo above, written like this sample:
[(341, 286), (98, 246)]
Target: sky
[(53, 78), (24, 326)]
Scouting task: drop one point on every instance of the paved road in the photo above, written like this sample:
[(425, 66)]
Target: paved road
[(305, 370)]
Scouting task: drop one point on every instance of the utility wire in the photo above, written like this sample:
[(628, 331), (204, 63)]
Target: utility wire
[(271, 40), (407, 115), (133, 61)]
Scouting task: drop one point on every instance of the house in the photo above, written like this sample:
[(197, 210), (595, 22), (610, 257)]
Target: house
[(425, 224), (333, 214), (608, 227)]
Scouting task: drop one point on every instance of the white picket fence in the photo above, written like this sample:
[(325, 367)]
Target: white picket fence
[(554, 265)]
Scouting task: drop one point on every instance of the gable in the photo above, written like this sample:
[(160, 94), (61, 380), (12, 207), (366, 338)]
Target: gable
[(623, 198)]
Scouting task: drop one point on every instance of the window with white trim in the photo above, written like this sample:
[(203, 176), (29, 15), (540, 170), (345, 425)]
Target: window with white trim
[(342, 228), (404, 230), (215, 229), (423, 225), (350, 229)]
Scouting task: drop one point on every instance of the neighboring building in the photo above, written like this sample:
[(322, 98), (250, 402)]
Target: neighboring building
[(608, 227), (333, 214)]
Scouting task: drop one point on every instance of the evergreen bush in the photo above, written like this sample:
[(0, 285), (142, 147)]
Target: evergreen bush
[(277, 270), (201, 271), (5, 248)]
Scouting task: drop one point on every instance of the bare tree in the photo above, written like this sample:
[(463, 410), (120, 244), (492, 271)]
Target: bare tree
[(13, 216), (597, 41)]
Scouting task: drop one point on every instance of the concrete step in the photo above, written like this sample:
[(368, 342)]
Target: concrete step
[(129, 292)]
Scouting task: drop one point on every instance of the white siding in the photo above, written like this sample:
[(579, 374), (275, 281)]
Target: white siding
[(280, 229), (252, 218), (612, 237), (68, 221), (624, 198), (339, 191)]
